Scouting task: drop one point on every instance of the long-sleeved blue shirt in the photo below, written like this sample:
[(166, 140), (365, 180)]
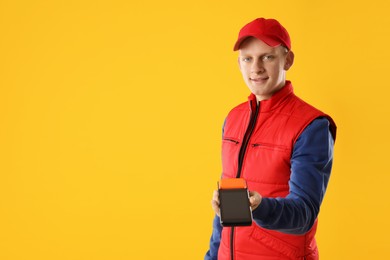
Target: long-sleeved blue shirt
[(311, 164)]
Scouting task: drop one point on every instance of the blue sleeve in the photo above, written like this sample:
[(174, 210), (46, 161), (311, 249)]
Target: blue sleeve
[(215, 240), (311, 164)]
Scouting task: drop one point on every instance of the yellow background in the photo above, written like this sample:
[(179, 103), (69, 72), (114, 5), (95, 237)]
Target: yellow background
[(111, 115)]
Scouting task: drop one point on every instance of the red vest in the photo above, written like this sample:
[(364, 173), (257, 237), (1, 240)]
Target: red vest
[(266, 168)]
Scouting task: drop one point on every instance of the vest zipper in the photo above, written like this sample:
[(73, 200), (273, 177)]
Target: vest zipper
[(247, 136), (241, 154), (231, 243)]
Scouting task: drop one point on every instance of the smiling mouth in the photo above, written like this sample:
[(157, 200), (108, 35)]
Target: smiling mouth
[(258, 79)]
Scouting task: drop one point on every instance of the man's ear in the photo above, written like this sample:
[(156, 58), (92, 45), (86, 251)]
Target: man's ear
[(289, 60), (238, 62)]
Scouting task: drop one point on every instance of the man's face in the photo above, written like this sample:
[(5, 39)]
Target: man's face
[(263, 67)]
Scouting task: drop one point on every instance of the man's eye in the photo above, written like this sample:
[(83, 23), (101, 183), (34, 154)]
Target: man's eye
[(246, 59), (268, 57)]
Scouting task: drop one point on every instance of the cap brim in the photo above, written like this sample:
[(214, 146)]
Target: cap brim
[(265, 39)]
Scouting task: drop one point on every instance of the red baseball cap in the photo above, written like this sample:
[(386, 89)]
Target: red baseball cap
[(269, 31)]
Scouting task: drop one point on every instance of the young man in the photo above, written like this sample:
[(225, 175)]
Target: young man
[(281, 146)]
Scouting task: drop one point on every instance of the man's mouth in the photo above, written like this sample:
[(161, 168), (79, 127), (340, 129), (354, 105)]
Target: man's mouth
[(259, 79)]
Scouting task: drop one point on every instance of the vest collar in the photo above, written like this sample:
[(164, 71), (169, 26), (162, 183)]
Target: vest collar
[(274, 101)]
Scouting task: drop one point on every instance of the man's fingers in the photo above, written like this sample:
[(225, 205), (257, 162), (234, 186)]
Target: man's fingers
[(215, 206), (215, 202), (216, 196)]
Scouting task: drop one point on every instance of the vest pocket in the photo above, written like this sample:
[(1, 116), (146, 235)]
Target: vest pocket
[(275, 243), (230, 150), (268, 146), (230, 140)]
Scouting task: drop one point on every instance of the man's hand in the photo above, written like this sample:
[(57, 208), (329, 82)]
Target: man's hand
[(254, 200), (215, 203)]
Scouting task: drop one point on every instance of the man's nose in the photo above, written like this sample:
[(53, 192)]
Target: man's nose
[(257, 67)]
